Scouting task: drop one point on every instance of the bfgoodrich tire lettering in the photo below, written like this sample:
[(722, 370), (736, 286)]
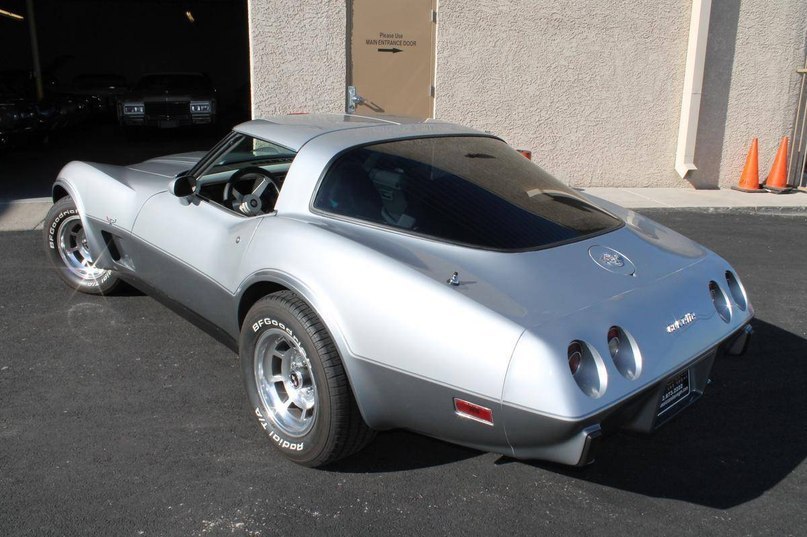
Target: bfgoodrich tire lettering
[(66, 246), (296, 383)]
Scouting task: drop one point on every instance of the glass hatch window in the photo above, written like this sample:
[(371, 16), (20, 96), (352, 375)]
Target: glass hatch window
[(470, 190)]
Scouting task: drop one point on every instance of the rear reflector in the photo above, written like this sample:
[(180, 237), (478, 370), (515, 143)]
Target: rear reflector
[(474, 412), (526, 153)]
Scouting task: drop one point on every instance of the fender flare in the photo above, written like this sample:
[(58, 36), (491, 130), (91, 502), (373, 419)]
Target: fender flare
[(326, 311)]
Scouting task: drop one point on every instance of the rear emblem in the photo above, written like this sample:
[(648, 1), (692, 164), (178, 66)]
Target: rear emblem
[(689, 318), (611, 260)]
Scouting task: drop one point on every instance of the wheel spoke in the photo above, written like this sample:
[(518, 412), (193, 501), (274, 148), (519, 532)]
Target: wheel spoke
[(283, 355), (258, 190), (285, 384)]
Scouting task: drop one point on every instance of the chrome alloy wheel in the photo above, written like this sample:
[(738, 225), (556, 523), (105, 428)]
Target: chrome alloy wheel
[(74, 251), (285, 382)]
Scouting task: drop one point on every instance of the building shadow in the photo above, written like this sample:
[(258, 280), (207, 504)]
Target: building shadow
[(740, 440), (715, 94)]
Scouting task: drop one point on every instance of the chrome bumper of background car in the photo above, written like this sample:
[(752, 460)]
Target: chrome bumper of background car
[(167, 123)]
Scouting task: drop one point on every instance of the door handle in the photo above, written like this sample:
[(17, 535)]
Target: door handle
[(353, 98)]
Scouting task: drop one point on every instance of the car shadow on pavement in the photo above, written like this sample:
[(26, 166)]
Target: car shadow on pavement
[(397, 451), (740, 440)]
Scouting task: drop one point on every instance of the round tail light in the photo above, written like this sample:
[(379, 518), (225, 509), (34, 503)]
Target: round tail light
[(613, 341), (624, 353), (575, 356), (720, 301), (587, 368), (736, 289)]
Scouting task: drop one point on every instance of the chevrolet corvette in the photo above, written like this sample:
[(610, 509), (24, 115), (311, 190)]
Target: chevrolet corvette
[(380, 273)]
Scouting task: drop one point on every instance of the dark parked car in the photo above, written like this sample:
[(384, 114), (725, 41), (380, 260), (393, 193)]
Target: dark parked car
[(169, 100), (101, 90), (54, 112), (20, 118)]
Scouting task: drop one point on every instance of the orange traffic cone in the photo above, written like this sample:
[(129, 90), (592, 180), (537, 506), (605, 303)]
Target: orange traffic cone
[(749, 180), (777, 179)]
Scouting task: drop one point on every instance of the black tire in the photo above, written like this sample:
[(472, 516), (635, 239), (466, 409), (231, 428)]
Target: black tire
[(281, 324), (63, 235)]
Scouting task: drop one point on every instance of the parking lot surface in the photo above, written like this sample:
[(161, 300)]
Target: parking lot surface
[(117, 417)]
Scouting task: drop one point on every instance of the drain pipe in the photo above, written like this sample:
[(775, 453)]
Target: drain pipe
[(693, 85)]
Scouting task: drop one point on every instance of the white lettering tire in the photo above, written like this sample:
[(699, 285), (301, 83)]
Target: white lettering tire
[(66, 246), (296, 383)]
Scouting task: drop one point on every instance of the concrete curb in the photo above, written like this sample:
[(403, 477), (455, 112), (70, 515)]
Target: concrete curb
[(687, 198), (23, 215)]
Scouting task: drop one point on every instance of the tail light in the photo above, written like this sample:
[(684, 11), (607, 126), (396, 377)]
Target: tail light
[(575, 357), (737, 291), (613, 341), (587, 368), (720, 301), (624, 353)]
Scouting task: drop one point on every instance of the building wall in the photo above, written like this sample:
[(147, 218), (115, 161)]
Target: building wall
[(593, 88), (750, 84), (298, 56)]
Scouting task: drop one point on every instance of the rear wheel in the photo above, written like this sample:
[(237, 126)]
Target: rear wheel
[(296, 383), (67, 248)]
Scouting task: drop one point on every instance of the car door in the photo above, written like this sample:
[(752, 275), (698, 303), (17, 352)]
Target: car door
[(190, 250)]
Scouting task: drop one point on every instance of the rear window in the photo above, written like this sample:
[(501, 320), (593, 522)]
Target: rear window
[(471, 190)]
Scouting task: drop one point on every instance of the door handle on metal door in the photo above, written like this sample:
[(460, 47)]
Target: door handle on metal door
[(353, 98)]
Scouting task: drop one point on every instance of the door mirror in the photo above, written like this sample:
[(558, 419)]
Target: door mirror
[(183, 185)]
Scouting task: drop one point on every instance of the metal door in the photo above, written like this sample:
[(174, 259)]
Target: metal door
[(391, 57)]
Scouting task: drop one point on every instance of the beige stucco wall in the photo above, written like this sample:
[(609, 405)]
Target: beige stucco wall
[(750, 84), (297, 56), (593, 88)]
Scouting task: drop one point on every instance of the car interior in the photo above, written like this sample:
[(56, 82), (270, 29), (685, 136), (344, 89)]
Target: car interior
[(248, 177)]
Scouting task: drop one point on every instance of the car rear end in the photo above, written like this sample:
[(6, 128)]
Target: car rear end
[(631, 362)]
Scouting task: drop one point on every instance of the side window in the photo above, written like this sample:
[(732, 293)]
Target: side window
[(248, 176)]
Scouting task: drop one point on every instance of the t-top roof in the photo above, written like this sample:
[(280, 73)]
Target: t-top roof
[(294, 131)]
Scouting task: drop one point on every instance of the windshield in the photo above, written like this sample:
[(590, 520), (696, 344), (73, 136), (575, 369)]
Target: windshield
[(471, 190)]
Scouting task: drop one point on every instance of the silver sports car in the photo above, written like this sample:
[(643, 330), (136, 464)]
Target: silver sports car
[(384, 273)]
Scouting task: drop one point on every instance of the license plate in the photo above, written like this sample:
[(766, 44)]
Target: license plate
[(675, 391), (168, 124)]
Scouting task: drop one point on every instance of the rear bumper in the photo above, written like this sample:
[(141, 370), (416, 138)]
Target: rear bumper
[(576, 442)]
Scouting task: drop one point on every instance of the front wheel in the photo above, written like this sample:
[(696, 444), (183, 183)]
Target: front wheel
[(67, 248), (296, 383)]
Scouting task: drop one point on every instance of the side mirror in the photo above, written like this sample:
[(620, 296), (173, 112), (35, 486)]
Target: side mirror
[(183, 185)]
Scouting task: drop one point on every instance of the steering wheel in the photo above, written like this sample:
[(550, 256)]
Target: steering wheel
[(264, 191)]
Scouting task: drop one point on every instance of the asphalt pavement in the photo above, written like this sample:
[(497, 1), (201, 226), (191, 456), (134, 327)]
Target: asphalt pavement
[(117, 417)]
